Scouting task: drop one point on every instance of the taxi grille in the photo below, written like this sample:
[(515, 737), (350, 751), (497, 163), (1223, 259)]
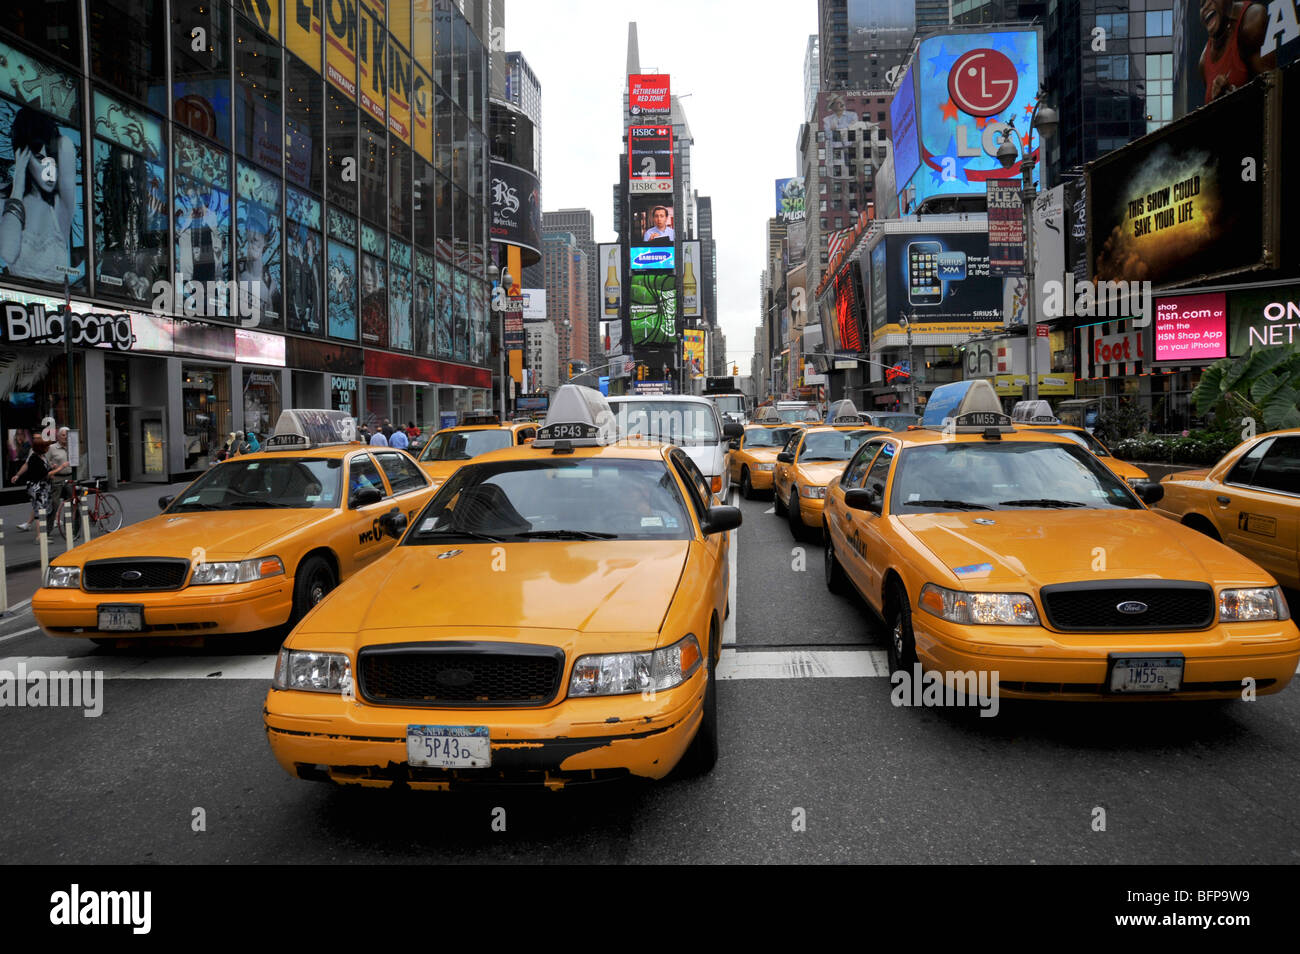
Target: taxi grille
[(1093, 607), (459, 674), (99, 576)]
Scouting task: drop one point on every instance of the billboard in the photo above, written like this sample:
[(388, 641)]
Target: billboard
[(651, 221), (650, 153), (1192, 327), (532, 304), (693, 350), (1216, 52), (903, 133), (874, 24), (966, 87), (652, 308), (1263, 318), (790, 200), (1186, 202), (848, 312), (648, 93), (840, 114), (516, 208), (1006, 228), (937, 280), (643, 257), (611, 282), (690, 281)]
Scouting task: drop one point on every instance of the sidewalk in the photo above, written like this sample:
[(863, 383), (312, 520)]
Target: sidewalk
[(139, 501)]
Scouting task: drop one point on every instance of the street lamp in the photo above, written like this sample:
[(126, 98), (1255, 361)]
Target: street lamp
[(1045, 120), (507, 282), (911, 363)]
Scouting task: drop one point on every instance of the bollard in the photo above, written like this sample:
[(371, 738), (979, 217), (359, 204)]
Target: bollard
[(85, 519), (44, 539), (66, 508), (4, 586)]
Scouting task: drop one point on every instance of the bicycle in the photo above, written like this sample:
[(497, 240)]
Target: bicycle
[(104, 509)]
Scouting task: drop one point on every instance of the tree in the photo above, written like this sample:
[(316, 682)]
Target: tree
[(1263, 385)]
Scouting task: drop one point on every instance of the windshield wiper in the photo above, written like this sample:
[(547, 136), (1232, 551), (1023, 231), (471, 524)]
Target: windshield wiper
[(954, 504), (1040, 502), (459, 534), (239, 504), (195, 506), (811, 459), (565, 535)]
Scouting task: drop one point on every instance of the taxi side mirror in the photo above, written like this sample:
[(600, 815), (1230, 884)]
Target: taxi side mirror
[(366, 496), (720, 519), (1149, 492), (785, 457), (732, 431), (165, 502), (734, 444), (862, 498), (393, 523)]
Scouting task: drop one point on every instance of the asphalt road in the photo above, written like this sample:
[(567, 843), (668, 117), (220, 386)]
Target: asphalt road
[(808, 734)]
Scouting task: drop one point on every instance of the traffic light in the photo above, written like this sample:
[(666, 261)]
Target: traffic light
[(735, 369), (570, 370)]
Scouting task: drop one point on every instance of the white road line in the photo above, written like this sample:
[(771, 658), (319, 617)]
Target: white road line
[(21, 632), (729, 624), (802, 663), (771, 509), (128, 667), (17, 606)]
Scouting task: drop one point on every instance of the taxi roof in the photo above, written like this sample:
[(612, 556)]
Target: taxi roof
[(920, 436), (506, 426)]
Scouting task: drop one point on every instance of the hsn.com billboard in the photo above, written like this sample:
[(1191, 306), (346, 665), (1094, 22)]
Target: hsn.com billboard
[(966, 87)]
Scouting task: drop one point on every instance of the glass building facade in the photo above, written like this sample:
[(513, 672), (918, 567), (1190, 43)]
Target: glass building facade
[(255, 204)]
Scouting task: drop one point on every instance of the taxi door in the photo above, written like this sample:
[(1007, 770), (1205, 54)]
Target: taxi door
[(1257, 510), (866, 542), (408, 486), (715, 544), (782, 476), (363, 540)]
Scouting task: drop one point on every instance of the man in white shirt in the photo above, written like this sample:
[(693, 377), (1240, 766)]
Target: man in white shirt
[(378, 439)]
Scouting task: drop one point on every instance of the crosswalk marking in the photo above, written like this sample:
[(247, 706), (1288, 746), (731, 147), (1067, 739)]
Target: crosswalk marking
[(802, 663)]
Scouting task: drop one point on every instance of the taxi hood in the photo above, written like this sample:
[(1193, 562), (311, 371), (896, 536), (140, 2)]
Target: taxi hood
[(819, 474), (226, 535), (1042, 547), (605, 586)]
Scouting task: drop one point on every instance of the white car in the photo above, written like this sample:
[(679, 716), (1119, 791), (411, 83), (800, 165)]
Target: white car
[(692, 423)]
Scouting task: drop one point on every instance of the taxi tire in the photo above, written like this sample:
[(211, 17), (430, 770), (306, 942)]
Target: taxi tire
[(836, 581), (792, 512), (703, 752), (898, 626), (746, 488), (312, 572), (777, 503)]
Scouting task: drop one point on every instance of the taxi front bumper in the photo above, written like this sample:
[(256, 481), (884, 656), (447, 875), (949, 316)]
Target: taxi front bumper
[(760, 479), (810, 511), (1032, 662), (189, 611), (327, 737)]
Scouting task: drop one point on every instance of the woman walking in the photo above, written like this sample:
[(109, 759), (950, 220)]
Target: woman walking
[(37, 474)]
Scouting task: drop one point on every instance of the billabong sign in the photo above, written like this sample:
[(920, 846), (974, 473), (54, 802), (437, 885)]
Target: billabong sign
[(33, 324)]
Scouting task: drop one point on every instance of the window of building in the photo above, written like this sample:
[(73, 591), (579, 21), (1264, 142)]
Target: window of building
[(304, 126), (201, 78), (1160, 23), (128, 45), (1115, 25), (373, 171), (340, 144), (1159, 89), (258, 241), (257, 96), (1112, 67)]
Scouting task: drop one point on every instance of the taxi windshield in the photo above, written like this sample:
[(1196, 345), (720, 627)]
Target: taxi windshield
[(684, 423), (1082, 438), (832, 445), (767, 436), (462, 445), (1004, 475), (796, 415), (264, 483), (555, 499)]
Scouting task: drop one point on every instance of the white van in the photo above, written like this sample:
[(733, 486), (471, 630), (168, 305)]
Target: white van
[(692, 423)]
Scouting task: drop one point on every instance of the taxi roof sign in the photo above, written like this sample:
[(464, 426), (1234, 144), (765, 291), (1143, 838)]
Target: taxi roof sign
[(1033, 412), (578, 417), (967, 405), (845, 412), (301, 428)]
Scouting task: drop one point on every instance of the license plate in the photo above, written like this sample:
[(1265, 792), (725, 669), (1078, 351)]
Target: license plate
[(448, 746), (115, 618), (1134, 674)]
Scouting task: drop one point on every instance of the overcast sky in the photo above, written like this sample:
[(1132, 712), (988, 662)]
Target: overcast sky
[(741, 61)]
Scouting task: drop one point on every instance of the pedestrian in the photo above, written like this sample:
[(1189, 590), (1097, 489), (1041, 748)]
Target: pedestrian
[(412, 432), (37, 473), (388, 429), (364, 434), (60, 467), (378, 439), (253, 444), (399, 439)]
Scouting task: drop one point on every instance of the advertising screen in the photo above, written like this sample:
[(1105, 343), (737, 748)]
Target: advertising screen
[(516, 207), (610, 270), (790, 200), (651, 220), (1178, 205), (940, 280), (645, 257), (650, 153), (967, 86), (652, 309), (880, 23), (848, 318), (1192, 327), (648, 93), (903, 131), (1205, 67), (1264, 318)]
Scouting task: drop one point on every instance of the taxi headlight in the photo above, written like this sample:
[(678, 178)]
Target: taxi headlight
[(1242, 606), (246, 571), (765, 466), (64, 577), (819, 492), (616, 674), (1000, 609), (313, 672)]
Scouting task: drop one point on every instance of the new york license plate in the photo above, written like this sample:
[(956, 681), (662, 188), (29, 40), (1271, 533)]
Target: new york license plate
[(448, 746), (117, 617), (1146, 673)]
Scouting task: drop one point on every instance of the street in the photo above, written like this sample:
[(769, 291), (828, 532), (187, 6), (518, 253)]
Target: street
[(816, 764)]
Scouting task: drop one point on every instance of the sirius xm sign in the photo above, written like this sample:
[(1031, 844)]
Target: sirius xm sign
[(651, 258)]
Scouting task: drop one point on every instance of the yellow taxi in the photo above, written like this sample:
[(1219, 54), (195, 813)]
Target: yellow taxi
[(254, 543), (552, 616), (1018, 556), (1249, 500), (1080, 436), (812, 458), (478, 434), (753, 456)]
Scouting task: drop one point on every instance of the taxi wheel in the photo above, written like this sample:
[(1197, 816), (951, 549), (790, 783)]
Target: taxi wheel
[(902, 641), (777, 503), (746, 488), (836, 581), (703, 753), (792, 511), (314, 579)]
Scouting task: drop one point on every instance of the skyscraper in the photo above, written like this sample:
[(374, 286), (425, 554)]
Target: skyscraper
[(812, 77), (579, 224)]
